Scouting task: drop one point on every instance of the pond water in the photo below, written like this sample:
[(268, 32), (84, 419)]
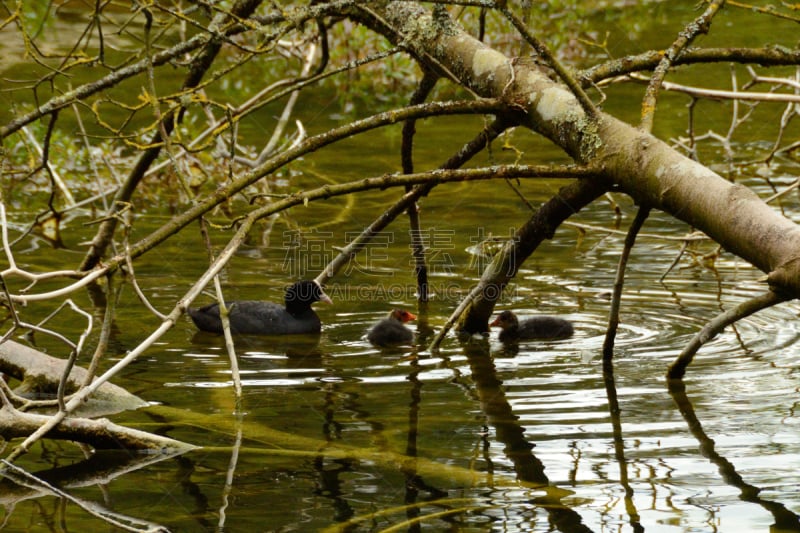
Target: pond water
[(337, 435)]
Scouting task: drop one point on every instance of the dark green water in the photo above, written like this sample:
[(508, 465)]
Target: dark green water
[(339, 436), (326, 424)]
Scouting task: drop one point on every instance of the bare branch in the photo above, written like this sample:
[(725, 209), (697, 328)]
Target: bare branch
[(716, 94), (700, 25), (616, 297), (719, 323), (550, 59)]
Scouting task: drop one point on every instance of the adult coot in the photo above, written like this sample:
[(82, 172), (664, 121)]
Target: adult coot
[(267, 318), (538, 327), (392, 331)]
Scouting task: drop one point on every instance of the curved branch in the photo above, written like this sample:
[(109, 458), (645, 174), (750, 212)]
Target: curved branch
[(429, 179), (311, 144), (715, 326)]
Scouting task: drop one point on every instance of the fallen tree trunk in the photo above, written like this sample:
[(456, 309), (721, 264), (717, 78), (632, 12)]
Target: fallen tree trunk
[(627, 159)]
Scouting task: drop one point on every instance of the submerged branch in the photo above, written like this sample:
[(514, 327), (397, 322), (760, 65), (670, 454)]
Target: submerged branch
[(719, 323), (613, 314), (100, 434)]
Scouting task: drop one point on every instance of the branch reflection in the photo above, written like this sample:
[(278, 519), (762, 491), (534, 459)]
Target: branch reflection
[(508, 431), (619, 443), (785, 520)]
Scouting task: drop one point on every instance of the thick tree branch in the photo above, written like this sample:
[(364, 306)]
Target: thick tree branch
[(39, 375), (632, 161), (100, 434), (542, 225)]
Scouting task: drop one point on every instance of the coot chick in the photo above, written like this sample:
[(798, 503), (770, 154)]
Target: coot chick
[(392, 331), (538, 327), (267, 318)]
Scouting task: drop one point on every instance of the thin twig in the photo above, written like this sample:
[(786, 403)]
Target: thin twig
[(55, 176), (717, 94), (112, 294), (700, 25), (224, 317), (230, 348), (76, 350), (269, 149), (200, 40)]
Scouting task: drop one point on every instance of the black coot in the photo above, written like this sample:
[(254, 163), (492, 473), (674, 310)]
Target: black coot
[(267, 318), (537, 327), (391, 331)]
